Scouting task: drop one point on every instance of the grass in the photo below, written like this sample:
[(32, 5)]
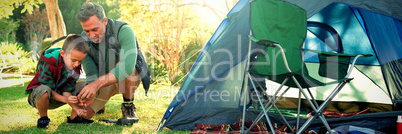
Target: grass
[(17, 116)]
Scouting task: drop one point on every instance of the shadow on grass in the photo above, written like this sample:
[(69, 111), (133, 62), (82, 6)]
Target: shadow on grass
[(32, 130), (19, 117), (13, 93), (95, 128)]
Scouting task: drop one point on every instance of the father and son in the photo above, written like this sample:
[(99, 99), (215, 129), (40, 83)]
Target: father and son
[(111, 60)]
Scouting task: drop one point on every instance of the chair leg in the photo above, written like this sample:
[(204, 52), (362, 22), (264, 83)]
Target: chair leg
[(312, 97), (271, 103), (19, 68), (261, 104), (245, 98), (320, 108), (298, 111), (1, 73)]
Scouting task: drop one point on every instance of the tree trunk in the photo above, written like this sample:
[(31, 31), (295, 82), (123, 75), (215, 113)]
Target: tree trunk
[(56, 22)]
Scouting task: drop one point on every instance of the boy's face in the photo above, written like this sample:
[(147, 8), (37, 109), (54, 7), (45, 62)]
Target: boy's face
[(94, 28), (73, 59)]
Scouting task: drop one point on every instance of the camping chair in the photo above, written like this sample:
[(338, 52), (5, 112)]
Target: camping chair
[(280, 28), (9, 61)]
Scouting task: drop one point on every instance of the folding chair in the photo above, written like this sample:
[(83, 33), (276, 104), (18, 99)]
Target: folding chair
[(280, 28), (9, 61)]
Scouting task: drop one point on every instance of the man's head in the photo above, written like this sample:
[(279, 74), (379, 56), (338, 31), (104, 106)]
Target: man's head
[(93, 21), (74, 50)]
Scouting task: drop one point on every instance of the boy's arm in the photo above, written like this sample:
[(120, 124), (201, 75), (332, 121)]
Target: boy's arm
[(59, 97), (71, 100)]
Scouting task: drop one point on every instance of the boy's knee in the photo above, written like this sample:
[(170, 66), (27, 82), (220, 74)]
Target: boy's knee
[(45, 96), (38, 93)]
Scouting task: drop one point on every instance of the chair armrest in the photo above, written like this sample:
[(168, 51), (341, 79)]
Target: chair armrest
[(338, 54), (267, 43)]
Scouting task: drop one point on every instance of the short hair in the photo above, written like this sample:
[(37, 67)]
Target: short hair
[(89, 9), (76, 42)]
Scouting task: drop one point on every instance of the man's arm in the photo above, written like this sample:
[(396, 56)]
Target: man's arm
[(90, 69), (128, 58), (128, 53), (90, 90)]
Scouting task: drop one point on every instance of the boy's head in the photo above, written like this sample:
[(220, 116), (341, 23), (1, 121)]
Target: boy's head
[(74, 50)]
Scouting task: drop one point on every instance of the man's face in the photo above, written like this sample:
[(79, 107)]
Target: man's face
[(95, 28), (73, 59)]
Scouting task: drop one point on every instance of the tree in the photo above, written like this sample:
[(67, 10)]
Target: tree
[(69, 9), (56, 22), (36, 25), (7, 7), (166, 29), (7, 26), (57, 26)]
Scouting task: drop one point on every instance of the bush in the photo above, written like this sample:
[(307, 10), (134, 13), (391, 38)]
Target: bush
[(28, 66), (45, 43)]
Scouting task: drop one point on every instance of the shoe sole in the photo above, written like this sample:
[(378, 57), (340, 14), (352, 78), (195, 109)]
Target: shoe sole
[(125, 121)]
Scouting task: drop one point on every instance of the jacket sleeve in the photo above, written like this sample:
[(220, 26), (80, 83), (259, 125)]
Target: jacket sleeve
[(128, 53)]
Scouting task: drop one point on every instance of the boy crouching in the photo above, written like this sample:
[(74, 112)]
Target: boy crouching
[(54, 83)]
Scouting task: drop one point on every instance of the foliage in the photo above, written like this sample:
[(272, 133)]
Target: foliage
[(69, 9), (19, 117), (7, 26), (28, 66), (111, 7), (36, 27), (7, 7), (165, 29)]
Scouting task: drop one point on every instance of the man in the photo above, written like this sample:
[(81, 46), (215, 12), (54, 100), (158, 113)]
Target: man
[(114, 63)]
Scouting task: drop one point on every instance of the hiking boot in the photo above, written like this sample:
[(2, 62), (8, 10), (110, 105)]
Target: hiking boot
[(43, 122), (129, 115), (79, 120)]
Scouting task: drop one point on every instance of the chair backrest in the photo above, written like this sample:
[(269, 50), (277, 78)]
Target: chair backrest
[(281, 22), (2, 58)]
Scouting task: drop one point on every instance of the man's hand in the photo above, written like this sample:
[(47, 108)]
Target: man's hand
[(85, 102), (88, 92), (72, 99)]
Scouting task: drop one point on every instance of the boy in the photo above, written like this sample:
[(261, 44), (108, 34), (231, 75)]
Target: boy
[(55, 79)]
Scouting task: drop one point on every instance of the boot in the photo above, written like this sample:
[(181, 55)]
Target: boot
[(129, 115)]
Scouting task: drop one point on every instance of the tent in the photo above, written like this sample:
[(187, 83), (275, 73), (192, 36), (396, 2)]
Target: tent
[(211, 92)]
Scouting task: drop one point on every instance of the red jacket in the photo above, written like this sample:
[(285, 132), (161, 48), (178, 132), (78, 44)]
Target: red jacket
[(53, 58)]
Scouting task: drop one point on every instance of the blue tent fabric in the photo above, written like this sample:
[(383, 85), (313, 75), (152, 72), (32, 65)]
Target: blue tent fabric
[(364, 31)]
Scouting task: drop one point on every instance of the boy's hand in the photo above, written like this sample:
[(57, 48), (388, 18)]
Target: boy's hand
[(81, 112), (72, 99)]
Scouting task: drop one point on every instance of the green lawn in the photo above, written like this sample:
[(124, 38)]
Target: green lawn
[(17, 116)]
